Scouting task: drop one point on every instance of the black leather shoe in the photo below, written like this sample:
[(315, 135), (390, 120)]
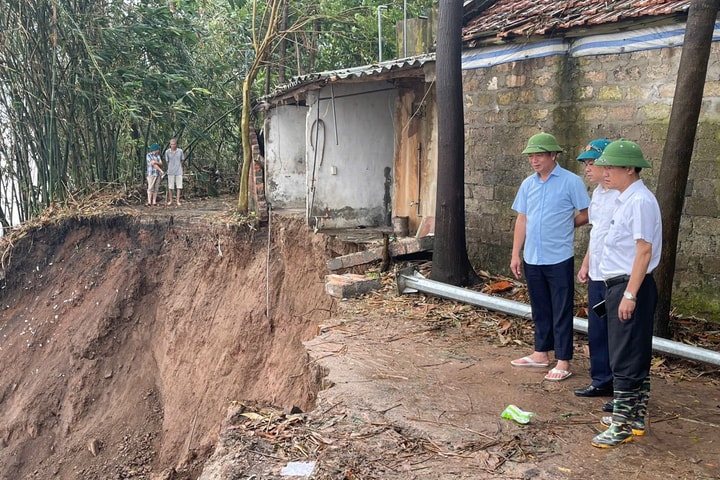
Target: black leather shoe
[(592, 391), (609, 406)]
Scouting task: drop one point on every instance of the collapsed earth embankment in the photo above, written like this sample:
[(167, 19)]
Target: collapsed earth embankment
[(124, 338)]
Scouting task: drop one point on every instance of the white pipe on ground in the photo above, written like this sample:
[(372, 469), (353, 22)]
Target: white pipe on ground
[(411, 281)]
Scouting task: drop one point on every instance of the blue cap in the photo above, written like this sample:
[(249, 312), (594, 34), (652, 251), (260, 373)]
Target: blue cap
[(593, 150), (154, 147)]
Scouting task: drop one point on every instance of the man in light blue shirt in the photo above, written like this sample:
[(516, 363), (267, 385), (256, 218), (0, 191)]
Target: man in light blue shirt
[(550, 204)]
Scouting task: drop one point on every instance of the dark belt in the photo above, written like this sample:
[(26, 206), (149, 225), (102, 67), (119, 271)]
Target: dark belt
[(617, 280)]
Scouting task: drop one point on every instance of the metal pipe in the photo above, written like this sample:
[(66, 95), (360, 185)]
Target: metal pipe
[(419, 179), (404, 28), (379, 16), (411, 281), (332, 95)]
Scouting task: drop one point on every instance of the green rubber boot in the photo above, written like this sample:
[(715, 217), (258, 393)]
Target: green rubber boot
[(637, 425), (613, 436), (619, 431), (639, 414)]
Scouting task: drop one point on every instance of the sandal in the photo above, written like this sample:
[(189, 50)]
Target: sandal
[(528, 362), (557, 375)]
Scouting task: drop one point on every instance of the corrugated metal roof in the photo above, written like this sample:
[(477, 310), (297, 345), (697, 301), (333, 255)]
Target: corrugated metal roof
[(379, 71), (500, 19), (523, 18)]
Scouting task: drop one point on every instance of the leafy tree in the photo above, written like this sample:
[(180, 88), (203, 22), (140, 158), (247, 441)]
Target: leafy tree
[(85, 86)]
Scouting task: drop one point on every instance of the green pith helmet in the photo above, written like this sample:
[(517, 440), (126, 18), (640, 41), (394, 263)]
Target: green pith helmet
[(593, 150), (542, 143), (623, 153)]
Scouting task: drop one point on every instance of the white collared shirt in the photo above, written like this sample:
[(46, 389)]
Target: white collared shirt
[(637, 217), (602, 206)]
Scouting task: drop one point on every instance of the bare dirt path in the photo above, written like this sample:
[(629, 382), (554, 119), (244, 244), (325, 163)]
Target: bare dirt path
[(415, 387), (440, 372)]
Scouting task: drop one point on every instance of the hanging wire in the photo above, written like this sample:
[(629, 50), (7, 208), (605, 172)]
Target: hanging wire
[(267, 267)]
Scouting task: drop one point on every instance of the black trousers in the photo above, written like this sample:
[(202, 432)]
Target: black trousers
[(600, 370), (552, 290), (630, 342)]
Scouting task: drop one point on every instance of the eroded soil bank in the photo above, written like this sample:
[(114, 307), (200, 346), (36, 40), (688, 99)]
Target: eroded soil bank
[(125, 338)]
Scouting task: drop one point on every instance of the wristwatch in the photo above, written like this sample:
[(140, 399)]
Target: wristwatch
[(630, 296)]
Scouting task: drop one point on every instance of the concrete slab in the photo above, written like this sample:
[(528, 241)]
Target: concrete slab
[(350, 285), (403, 246)]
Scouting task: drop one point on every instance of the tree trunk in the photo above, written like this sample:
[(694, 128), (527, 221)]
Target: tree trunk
[(243, 199), (678, 149), (450, 259), (262, 52)]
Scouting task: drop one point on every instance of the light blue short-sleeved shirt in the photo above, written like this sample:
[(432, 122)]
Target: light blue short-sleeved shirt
[(550, 208), (174, 161)]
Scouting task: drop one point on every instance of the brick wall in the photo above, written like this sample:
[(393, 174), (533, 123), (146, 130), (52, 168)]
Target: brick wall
[(579, 99), (257, 180)]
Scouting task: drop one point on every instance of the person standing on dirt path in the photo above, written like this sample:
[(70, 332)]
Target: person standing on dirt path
[(602, 205), (154, 172), (550, 204), (631, 251), (174, 157)]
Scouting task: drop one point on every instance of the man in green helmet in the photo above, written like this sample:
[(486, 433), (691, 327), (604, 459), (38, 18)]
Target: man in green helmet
[(602, 205), (631, 251), (550, 204)]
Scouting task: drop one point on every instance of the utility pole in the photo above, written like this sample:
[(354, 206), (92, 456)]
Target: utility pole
[(379, 17), (404, 28), (450, 259)]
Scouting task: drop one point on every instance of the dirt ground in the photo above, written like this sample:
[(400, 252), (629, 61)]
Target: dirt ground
[(438, 376), (183, 343)]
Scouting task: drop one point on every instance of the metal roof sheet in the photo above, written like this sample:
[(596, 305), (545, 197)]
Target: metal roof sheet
[(509, 18), (379, 71), (500, 19)]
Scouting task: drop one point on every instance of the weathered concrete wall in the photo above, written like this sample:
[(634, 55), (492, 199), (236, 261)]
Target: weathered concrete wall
[(579, 99), (285, 156), (350, 153)]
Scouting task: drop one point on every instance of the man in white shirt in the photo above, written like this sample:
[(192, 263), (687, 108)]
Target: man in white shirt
[(174, 157), (631, 252), (602, 205)]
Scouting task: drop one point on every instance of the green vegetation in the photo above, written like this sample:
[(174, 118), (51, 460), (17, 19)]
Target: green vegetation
[(696, 302), (86, 86)]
